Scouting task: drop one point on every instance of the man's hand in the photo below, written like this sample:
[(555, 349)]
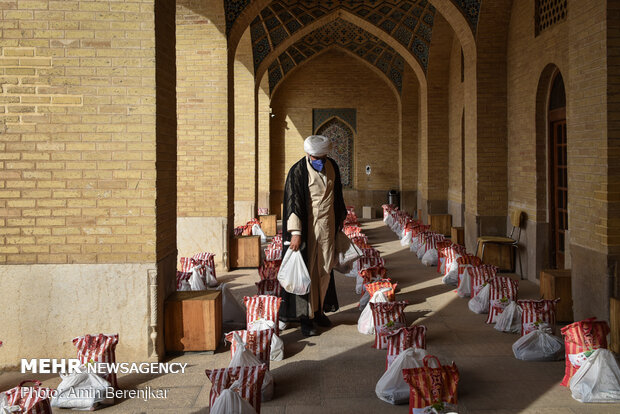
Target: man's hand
[(295, 243)]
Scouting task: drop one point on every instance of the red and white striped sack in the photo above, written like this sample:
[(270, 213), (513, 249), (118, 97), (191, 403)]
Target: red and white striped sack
[(370, 252), (273, 253), (384, 313), (442, 252), (369, 274), (98, 348), (373, 287), (269, 269), (428, 386), (467, 263), (366, 262), (181, 277), (250, 379), (536, 311), (33, 399), (263, 211), (404, 338), (257, 342), (580, 340), (351, 231), (360, 241), (270, 287), (207, 259), (188, 264), (503, 289), (262, 307), (478, 279)]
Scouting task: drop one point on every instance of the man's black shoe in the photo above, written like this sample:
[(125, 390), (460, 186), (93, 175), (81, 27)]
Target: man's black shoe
[(322, 320), (307, 327)]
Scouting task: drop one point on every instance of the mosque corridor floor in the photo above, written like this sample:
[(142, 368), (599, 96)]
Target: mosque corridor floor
[(336, 372)]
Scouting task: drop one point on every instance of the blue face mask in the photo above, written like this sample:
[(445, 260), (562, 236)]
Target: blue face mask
[(317, 164)]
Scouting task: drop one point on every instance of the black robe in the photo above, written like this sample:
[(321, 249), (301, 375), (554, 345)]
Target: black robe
[(297, 200)]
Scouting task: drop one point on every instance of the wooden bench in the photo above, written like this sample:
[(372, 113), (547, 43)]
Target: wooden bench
[(244, 251), (268, 224), (440, 223), (193, 320), (554, 284)]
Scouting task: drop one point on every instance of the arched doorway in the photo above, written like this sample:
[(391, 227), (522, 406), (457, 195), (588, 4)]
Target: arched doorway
[(558, 177), (341, 136)]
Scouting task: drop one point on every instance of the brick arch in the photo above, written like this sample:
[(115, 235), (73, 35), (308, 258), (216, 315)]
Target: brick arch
[(351, 18), (337, 47), (345, 165)]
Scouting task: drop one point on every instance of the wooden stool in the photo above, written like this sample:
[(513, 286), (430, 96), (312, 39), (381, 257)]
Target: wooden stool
[(555, 284), (440, 223), (268, 224), (193, 320), (457, 235), (244, 251)]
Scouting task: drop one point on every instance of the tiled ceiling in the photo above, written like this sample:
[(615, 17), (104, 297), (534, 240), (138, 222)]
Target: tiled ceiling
[(348, 36)]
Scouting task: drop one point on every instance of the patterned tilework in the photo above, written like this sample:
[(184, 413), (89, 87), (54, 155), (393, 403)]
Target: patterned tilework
[(348, 36), (341, 136), (471, 11), (410, 22), (319, 116)]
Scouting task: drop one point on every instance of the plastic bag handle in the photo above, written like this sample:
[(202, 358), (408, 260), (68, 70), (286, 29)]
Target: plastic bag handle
[(35, 382), (427, 358)]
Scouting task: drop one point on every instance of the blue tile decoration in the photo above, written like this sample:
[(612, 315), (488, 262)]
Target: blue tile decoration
[(260, 51), (471, 11), (278, 35), (341, 135), (425, 32), (275, 76)]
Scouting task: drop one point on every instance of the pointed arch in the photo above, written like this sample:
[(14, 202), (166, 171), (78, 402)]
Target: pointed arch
[(342, 136), (376, 70)]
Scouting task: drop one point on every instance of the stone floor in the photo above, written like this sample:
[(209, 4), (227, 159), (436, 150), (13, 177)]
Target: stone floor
[(337, 371)]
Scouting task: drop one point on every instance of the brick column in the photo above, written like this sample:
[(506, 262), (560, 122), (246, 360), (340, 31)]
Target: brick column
[(263, 120), (409, 141)]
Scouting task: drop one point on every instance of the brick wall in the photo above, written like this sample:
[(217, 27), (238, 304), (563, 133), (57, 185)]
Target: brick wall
[(410, 130), (78, 136), (455, 135), (202, 108), (245, 130), (343, 82), (263, 120), (613, 129)]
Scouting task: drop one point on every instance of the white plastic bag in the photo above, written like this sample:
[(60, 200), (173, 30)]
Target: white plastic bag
[(276, 349), (421, 251), (539, 345), (445, 408), (364, 300), (365, 323), (598, 379), (5, 408), (185, 286), (430, 258), (233, 313), (211, 280), (293, 274), (347, 253), (80, 390), (480, 302), (464, 289), (392, 387), (230, 402), (359, 284), (406, 240), (245, 358), (510, 319), (452, 277), (196, 281), (257, 231)]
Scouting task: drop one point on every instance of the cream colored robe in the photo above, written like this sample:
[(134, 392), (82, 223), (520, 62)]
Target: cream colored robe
[(322, 232)]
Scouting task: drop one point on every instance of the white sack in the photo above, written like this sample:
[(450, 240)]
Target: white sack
[(480, 302), (365, 323), (392, 387), (421, 250), (196, 281), (233, 313), (5, 408), (347, 253), (406, 240), (364, 300), (452, 277), (257, 231), (293, 274), (81, 390), (598, 379), (464, 289), (510, 319), (245, 358), (430, 258), (446, 408), (230, 402), (539, 345), (185, 286)]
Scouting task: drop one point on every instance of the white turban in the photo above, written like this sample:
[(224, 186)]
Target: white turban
[(317, 145)]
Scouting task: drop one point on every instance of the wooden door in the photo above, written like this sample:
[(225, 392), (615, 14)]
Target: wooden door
[(559, 183)]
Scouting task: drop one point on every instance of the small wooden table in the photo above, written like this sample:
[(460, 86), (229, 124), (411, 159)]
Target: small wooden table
[(193, 320), (244, 251), (268, 224), (457, 235), (555, 283)]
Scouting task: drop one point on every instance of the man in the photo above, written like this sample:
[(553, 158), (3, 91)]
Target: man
[(314, 211)]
